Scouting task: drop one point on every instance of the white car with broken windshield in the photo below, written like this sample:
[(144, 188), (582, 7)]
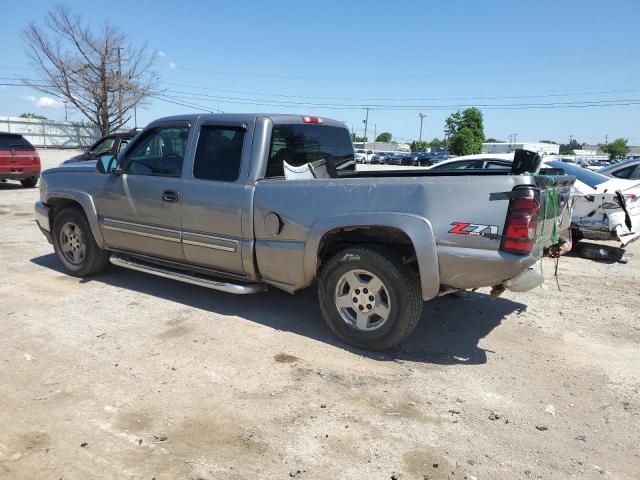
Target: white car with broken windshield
[(604, 208)]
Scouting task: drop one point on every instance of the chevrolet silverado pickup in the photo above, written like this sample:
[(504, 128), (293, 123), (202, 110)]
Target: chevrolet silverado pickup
[(239, 202)]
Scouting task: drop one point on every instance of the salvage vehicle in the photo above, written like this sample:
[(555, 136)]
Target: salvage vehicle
[(109, 144), (604, 208), (378, 158), (19, 160), (629, 170), (239, 202), (363, 156), (415, 159), (393, 159)]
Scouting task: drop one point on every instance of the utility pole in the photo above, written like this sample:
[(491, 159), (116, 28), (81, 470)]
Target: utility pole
[(375, 131), (421, 115), (119, 89), (366, 124), (66, 118), (135, 115), (606, 139)]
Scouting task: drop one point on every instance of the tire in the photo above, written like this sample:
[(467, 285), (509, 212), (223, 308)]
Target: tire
[(75, 246), (29, 182), (399, 296)]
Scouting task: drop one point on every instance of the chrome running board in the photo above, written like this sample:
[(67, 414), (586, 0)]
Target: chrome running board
[(186, 277)]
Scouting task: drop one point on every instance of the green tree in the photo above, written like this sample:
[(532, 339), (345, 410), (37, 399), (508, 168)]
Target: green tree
[(452, 124), (493, 140), (465, 131), (384, 137), (568, 148), (356, 138), (464, 142), (34, 116), (436, 143), (617, 148), (417, 146), (549, 141)]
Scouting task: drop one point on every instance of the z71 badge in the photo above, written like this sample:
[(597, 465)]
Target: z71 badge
[(463, 228)]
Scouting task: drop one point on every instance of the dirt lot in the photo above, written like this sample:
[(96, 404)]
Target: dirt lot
[(130, 376)]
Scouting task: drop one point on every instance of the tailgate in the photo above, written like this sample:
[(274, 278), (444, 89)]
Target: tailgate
[(556, 207)]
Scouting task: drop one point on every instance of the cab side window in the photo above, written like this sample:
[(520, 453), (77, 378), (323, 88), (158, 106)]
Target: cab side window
[(160, 152), (218, 154)]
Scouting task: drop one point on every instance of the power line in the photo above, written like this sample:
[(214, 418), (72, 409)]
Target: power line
[(188, 105), (384, 99), (399, 107), (413, 75), (342, 106), (381, 99)]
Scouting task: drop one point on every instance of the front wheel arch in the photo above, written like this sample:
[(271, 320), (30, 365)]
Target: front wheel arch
[(82, 201)]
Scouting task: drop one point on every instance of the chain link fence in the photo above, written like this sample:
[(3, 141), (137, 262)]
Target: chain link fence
[(51, 133)]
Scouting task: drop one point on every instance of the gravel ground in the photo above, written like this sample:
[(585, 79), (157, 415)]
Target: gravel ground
[(126, 375)]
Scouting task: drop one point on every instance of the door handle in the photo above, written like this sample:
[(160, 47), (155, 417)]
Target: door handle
[(170, 196)]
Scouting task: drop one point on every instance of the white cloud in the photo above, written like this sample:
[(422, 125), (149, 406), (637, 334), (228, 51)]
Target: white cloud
[(172, 65), (43, 102), (161, 53)]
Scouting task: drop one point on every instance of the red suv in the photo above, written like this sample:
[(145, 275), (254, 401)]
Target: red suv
[(19, 160)]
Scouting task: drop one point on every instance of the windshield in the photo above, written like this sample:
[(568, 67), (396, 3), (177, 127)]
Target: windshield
[(587, 177), (103, 147)]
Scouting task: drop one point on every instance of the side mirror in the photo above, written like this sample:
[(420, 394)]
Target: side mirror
[(106, 164)]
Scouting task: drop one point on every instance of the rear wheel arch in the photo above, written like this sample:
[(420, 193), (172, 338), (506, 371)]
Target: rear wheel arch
[(341, 238), (411, 233)]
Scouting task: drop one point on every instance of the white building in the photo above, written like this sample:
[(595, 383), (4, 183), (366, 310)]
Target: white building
[(538, 147)]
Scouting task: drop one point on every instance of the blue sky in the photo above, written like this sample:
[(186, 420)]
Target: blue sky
[(427, 56)]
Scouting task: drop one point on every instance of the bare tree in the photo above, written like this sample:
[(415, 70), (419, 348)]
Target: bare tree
[(101, 73)]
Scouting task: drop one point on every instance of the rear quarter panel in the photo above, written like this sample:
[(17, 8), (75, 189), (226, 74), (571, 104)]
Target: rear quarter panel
[(423, 207)]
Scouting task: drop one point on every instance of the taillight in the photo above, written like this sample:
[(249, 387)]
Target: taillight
[(520, 226), (311, 119)]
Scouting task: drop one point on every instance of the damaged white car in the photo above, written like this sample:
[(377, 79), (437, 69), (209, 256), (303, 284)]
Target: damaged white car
[(604, 208)]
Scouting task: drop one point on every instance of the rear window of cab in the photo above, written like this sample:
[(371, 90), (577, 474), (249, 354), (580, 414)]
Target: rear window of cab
[(301, 144)]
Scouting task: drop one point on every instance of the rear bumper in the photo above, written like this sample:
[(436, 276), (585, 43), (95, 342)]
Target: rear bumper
[(464, 268), (18, 174)]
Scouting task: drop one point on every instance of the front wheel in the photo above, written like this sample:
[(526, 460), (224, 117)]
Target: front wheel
[(75, 246), (370, 298)]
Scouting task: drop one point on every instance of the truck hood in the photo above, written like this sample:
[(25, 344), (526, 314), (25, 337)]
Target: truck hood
[(88, 166)]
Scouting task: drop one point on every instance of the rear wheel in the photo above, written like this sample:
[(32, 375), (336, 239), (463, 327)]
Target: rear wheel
[(370, 298), (75, 246), (29, 182)]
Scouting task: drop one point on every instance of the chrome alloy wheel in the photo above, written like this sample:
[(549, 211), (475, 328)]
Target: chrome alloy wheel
[(72, 243), (362, 300)]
